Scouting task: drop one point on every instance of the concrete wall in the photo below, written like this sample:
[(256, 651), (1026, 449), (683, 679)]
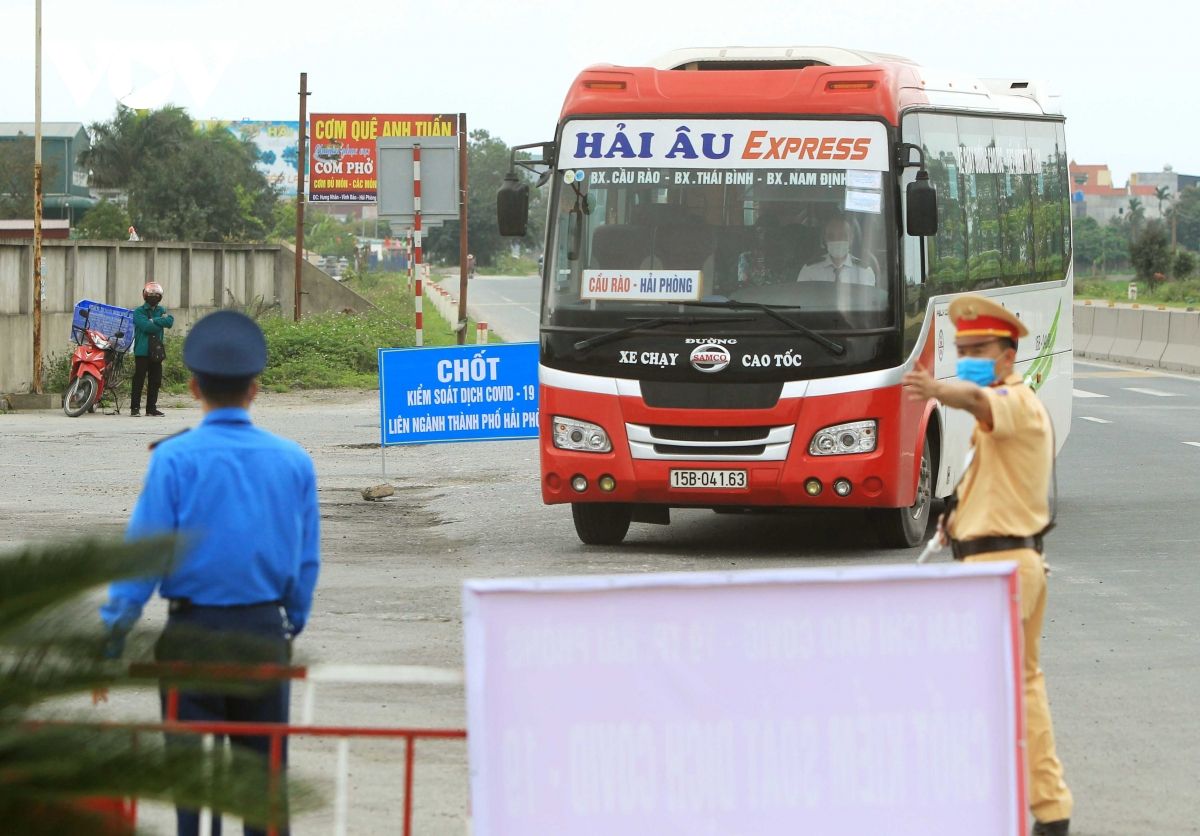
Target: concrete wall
[(1139, 336), (196, 279)]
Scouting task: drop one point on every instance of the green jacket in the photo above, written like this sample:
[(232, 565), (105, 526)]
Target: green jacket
[(148, 321)]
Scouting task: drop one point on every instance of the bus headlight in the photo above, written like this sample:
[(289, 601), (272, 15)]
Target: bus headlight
[(843, 439), (570, 434)]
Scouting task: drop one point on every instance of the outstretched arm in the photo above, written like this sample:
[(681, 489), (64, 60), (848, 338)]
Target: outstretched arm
[(957, 394)]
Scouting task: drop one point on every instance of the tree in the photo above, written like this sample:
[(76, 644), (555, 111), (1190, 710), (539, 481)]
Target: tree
[(182, 183), (1136, 217), (52, 765), (1186, 210), (327, 235), (106, 221), (123, 145), (16, 177), (487, 163), (1100, 248), (1150, 253), (1185, 264), (1089, 242), (1162, 193)]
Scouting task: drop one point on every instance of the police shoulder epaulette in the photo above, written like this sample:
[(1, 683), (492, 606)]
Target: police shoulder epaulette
[(159, 441)]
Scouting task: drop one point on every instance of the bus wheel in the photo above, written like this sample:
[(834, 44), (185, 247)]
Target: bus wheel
[(903, 528), (601, 523)]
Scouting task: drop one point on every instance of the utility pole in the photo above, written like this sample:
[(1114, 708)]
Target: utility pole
[(1174, 210), (301, 165), (37, 198), (463, 243)]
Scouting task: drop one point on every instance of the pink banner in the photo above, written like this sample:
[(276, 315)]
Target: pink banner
[(860, 701)]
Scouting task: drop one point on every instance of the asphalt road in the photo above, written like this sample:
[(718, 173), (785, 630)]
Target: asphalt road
[(508, 304), (1121, 651)]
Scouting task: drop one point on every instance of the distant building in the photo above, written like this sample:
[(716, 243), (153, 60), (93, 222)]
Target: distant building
[(1169, 177), (1093, 194), (65, 192), (22, 230)]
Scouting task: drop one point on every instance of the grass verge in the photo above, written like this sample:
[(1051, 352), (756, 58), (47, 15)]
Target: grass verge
[(1181, 294)]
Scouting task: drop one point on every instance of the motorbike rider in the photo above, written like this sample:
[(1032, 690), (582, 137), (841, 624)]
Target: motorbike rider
[(150, 322)]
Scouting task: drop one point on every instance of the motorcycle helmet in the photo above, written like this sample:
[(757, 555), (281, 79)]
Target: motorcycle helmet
[(152, 290)]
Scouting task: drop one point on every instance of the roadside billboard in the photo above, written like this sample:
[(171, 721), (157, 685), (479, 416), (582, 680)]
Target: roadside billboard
[(344, 165), (277, 143), (853, 700)]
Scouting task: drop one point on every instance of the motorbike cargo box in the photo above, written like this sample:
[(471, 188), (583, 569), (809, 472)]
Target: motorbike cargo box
[(107, 319)]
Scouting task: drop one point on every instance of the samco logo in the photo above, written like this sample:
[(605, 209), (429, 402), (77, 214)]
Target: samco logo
[(709, 358)]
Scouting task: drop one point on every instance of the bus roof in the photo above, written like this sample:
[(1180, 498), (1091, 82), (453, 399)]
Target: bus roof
[(816, 80)]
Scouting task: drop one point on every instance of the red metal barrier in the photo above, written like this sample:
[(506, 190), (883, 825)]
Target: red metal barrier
[(276, 732)]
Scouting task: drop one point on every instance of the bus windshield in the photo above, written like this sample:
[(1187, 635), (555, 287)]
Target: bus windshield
[(809, 237)]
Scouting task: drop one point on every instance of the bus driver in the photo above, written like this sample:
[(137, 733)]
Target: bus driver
[(838, 265)]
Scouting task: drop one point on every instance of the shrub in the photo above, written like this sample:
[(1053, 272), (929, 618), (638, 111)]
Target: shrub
[(1185, 264)]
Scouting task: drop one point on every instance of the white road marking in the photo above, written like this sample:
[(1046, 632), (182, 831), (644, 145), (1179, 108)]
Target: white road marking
[(1192, 443), (1152, 372), (1080, 393), (1158, 393), (1093, 420)]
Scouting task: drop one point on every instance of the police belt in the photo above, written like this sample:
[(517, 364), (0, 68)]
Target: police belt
[(983, 545), (176, 606)]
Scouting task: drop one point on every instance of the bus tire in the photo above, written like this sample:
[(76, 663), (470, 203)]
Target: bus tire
[(601, 523), (904, 528)]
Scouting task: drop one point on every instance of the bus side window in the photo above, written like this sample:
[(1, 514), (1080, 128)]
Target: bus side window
[(911, 255)]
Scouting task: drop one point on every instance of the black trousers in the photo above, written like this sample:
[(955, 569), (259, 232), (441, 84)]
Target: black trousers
[(142, 366), (249, 634)]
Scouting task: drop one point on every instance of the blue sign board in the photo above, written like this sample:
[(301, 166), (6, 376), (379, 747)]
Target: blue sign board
[(459, 393)]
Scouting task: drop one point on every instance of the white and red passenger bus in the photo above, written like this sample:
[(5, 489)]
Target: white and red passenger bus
[(732, 293)]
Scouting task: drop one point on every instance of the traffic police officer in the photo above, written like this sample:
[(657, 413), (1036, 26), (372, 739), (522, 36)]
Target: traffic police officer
[(1002, 509), (245, 502)]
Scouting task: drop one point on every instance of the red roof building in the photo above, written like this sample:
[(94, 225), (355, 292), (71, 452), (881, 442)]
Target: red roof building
[(1093, 194)]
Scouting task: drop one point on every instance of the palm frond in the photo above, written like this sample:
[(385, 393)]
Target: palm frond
[(61, 652), (51, 644), (39, 576), (62, 764)]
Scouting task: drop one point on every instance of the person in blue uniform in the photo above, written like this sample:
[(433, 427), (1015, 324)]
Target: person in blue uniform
[(244, 502)]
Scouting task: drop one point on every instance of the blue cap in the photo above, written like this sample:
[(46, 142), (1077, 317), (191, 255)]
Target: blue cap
[(225, 344)]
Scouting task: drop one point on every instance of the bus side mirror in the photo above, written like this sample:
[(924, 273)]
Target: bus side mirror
[(575, 234), (512, 206), (921, 214)]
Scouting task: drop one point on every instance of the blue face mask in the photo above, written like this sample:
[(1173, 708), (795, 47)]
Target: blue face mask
[(979, 370)]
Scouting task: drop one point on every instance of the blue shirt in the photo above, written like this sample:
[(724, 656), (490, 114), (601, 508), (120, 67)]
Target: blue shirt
[(246, 502)]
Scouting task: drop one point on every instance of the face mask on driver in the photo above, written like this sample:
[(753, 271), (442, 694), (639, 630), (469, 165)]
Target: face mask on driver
[(979, 370), (838, 250)]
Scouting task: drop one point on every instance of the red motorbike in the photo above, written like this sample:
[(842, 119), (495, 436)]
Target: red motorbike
[(96, 365)]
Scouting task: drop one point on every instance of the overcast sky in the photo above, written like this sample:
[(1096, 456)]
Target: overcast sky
[(1124, 70)]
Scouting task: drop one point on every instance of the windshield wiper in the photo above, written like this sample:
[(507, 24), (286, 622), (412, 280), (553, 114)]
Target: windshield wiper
[(820, 339), (656, 322)]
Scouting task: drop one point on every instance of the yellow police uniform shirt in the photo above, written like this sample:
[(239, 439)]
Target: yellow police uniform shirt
[(1004, 491)]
